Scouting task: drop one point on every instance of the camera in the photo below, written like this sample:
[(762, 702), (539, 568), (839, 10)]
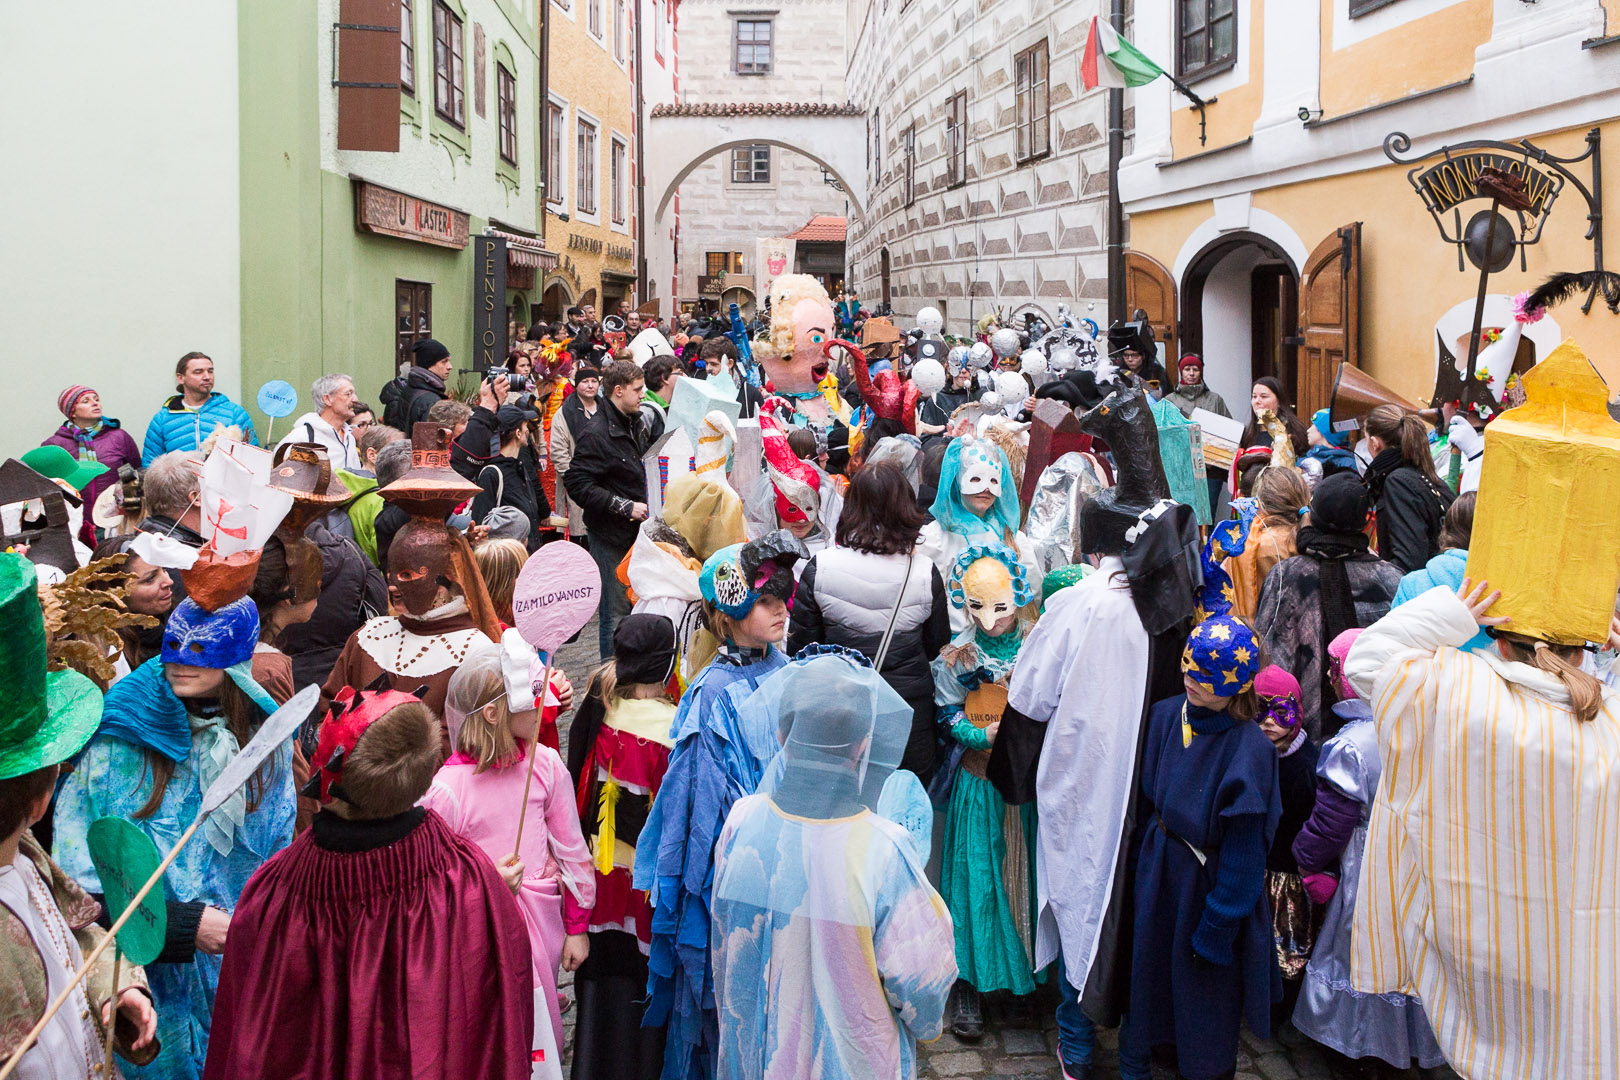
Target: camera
[(517, 383)]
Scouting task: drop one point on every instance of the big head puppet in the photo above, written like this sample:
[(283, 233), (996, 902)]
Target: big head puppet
[(801, 322)]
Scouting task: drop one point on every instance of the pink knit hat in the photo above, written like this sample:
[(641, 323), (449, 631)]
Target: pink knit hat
[(1338, 649), (69, 398)]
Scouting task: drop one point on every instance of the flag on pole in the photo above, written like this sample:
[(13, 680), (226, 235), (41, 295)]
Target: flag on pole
[(1112, 62)]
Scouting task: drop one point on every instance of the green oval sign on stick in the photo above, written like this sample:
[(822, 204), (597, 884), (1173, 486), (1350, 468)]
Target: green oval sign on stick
[(124, 858)]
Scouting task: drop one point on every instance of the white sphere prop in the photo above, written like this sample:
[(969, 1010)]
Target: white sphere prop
[(929, 375), (1005, 342), (930, 321)]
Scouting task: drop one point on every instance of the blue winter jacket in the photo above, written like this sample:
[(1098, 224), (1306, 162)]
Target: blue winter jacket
[(1444, 570), (176, 427)]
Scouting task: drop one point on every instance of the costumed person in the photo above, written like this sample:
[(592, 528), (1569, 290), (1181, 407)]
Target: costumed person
[(746, 592), (1329, 848), (433, 583), (1331, 448), (976, 503), (1448, 568), (168, 730), (989, 850), (1294, 918), (491, 712), (1333, 584), (381, 943), (1269, 406), (1279, 504), (1203, 963), (700, 516), (1071, 736), (47, 920), (832, 954), (618, 752), (1134, 347), (90, 436), (870, 590), (1191, 392), (803, 500), (1407, 492), (795, 364)]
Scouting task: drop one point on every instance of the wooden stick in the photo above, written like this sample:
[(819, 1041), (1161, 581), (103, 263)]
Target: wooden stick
[(112, 936), (112, 1021), (523, 812), (268, 428)]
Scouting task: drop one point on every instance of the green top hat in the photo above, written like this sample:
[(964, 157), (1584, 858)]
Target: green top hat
[(45, 718), (58, 464)]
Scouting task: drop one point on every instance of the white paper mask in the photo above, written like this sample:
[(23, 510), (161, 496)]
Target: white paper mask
[(978, 472)]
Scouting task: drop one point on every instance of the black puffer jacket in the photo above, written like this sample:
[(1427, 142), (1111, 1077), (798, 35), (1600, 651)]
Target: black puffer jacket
[(606, 477), (406, 404), (1411, 509), (352, 591)]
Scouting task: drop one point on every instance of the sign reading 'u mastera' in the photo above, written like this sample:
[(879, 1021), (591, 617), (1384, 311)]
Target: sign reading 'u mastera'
[(124, 858)]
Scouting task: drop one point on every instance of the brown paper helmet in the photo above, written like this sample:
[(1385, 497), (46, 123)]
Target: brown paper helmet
[(419, 561), (214, 581), (431, 488), (304, 471)]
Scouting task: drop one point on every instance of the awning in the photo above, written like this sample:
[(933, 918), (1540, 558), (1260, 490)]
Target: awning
[(526, 251)]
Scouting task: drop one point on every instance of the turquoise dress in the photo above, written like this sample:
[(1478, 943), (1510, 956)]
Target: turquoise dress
[(988, 860), (113, 779)]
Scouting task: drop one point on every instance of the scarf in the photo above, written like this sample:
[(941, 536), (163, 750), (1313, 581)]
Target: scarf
[(86, 437), (1338, 604)]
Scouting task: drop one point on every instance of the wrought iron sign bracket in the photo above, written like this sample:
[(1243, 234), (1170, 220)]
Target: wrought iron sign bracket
[(1197, 103)]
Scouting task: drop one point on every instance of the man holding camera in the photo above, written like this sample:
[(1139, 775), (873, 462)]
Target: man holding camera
[(494, 452)]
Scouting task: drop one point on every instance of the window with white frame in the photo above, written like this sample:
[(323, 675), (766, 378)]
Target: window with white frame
[(752, 46), (506, 111), (621, 29), (908, 151), (619, 179), (556, 140), (751, 165), (661, 13), (407, 46), (593, 12), (956, 139), (585, 168)]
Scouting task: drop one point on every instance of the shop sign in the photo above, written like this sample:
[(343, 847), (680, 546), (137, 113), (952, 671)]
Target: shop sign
[(393, 213), (489, 302), (620, 252), (1451, 182), (711, 284)]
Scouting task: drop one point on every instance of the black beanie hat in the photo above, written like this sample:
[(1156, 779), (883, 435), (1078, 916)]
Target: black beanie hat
[(643, 649), (1341, 504), (427, 352)]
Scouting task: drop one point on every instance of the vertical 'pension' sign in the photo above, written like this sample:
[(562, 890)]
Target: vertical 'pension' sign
[(555, 595), (489, 301), (124, 858)]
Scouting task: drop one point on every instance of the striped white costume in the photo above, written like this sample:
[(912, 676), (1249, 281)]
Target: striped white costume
[(1491, 883)]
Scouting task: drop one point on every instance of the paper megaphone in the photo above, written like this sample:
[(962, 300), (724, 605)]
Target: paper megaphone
[(1356, 393)]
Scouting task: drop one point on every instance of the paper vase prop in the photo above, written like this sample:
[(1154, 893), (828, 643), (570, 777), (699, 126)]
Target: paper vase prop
[(665, 462), (555, 595), (1182, 467), (692, 400), (240, 510), (1547, 524)]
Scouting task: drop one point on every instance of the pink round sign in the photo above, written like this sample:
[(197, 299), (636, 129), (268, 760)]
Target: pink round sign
[(556, 595)]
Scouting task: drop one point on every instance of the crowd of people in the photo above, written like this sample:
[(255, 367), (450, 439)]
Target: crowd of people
[(930, 670)]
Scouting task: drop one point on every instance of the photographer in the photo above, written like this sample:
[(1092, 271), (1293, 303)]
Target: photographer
[(491, 454)]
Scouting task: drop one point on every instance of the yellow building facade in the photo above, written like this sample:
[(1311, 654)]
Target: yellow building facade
[(590, 139), (1280, 231)]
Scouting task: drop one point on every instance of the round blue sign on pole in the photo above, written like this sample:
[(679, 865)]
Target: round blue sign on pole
[(278, 398)]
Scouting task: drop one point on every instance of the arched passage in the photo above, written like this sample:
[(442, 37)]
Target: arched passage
[(1239, 310)]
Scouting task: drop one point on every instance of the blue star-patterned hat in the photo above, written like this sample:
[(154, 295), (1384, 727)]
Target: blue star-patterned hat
[(1227, 539), (1222, 656)]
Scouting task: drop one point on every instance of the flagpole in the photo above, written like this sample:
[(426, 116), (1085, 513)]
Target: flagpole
[(1116, 208)]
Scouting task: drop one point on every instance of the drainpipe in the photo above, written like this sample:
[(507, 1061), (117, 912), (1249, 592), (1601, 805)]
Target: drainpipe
[(544, 156), (1116, 210), (641, 161)]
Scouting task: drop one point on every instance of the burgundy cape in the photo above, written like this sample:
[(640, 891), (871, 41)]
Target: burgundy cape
[(406, 960)]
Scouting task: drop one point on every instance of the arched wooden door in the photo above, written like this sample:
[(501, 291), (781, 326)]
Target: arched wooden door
[(1150, 288), (1329, 316)]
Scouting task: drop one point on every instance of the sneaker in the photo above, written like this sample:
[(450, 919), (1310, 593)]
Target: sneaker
[(1074, 1072), (967, 1020)]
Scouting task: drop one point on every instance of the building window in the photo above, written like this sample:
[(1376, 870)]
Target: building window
[(407, 46), (585, 169), (506, 103), (753, 47), (413, 317), (1207, 33), (723, 262), (908, 150), (556, 119), (449, 90), (877, 143), (751, 165), (618, 177), (660, 30), (956, 139), (621, 30), (594, 11), (1029, 88)]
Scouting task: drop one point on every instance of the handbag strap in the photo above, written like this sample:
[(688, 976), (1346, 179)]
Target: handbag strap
[(905, 582), (500, 483)]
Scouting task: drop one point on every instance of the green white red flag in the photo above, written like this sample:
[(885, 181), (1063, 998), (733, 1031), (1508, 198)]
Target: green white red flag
[(1112, 62)]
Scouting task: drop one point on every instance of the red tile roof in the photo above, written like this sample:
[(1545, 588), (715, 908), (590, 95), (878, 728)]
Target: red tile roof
[(822, 229)]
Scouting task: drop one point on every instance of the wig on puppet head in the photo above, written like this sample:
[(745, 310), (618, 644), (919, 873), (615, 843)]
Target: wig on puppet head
[(801, 322), (796, 482), (377, 755), (735, 577), (990, 582), (973, 466)]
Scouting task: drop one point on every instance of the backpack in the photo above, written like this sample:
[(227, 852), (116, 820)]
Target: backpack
[(396, 399)]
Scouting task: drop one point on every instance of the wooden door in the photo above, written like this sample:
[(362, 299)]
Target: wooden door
[(1150, 288), (1329, 316)]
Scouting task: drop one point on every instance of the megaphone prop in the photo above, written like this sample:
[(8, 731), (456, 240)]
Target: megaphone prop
[(1356, 393)]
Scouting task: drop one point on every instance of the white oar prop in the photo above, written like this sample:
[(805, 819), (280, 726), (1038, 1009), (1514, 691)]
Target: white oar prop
[(271, 734)]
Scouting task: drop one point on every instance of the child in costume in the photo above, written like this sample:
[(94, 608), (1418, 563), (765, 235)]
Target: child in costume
[(618, 752), (715, 761), (976, 503), (381, 943), (490, 711), (1203, 962), (988, 856), (1330, 847), (168, 730), (47, 920)]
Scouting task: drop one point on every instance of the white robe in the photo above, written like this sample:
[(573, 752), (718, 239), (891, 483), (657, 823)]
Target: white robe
[(1083, 671)]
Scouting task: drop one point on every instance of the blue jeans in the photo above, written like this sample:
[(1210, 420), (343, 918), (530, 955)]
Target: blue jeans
[(614, 603), (1077, 1035)]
